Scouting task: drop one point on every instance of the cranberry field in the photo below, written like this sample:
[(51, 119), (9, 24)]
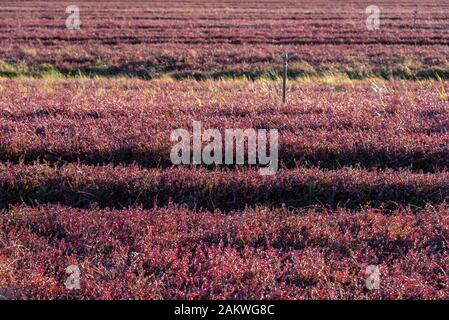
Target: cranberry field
[(231, 38), (86, 177)]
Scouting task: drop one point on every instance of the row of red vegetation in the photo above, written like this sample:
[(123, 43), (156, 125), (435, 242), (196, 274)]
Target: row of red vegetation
[(173, 253), (108, 186), (329, 126)]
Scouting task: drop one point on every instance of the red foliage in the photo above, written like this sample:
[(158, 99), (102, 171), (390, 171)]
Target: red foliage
[(328, 126), (205, 38), (86, 178), (173, 253)]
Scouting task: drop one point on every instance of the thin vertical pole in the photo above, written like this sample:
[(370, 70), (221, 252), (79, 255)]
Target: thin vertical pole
[(284, 84), (415, 13)]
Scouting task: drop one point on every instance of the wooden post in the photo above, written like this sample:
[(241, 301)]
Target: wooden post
[(284, 84), (415, 13)]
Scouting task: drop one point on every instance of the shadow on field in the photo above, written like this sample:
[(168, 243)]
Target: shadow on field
[(227, 192), (168, 66), (428, 161)]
